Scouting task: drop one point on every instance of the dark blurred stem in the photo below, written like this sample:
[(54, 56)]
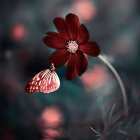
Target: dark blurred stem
[(125, 103)]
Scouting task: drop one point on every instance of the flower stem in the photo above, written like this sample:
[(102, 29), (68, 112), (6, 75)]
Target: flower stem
[(119, 80)]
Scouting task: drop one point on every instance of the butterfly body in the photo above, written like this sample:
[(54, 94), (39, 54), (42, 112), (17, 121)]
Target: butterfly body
[(46, 81)]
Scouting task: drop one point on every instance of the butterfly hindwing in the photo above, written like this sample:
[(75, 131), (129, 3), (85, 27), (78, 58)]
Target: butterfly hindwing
[(33, 84)]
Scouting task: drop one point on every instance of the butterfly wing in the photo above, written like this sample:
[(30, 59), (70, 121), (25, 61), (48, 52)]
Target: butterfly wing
[(45, 81), (50, 82), (33, 84)]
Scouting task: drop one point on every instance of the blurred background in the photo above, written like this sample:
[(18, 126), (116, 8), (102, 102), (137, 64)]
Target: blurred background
[(86, 108)]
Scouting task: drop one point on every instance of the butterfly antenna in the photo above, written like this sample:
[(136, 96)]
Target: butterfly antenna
[(52, 68)]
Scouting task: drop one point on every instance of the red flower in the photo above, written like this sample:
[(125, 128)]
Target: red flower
[(71, 42)]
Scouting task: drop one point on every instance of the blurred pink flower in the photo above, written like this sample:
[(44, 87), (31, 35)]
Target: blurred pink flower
[(95, 77), (18, 31), (85, 9), (52, 116), (52, 119)]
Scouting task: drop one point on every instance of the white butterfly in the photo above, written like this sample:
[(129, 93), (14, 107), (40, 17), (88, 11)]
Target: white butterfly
[(46, 81)]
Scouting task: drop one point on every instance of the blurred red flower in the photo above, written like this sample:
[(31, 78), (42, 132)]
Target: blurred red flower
[(71, 42)]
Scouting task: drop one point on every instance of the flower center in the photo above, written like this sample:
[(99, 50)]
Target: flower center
[(72, 46)]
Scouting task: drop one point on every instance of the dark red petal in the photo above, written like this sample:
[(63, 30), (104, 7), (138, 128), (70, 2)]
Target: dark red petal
[(91, 48), (73, 25), (71, 69), (59, 57), (60, 24), (81, 63), (83, 35), (55, 42), (54, 34)]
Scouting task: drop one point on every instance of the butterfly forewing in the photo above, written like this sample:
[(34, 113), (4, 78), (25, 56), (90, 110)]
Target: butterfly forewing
[(45, 81)]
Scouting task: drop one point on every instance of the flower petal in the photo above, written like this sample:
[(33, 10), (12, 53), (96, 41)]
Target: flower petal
[(60, 24), (55, 42), (83, 34), (54, 34), (71, 69), (59, 57), (73, 25), (81, 63), (91, 48)]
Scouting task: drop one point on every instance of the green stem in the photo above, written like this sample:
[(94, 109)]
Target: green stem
[(119, 80)]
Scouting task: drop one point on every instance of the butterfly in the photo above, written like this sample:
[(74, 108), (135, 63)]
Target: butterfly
[(45, 81)]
